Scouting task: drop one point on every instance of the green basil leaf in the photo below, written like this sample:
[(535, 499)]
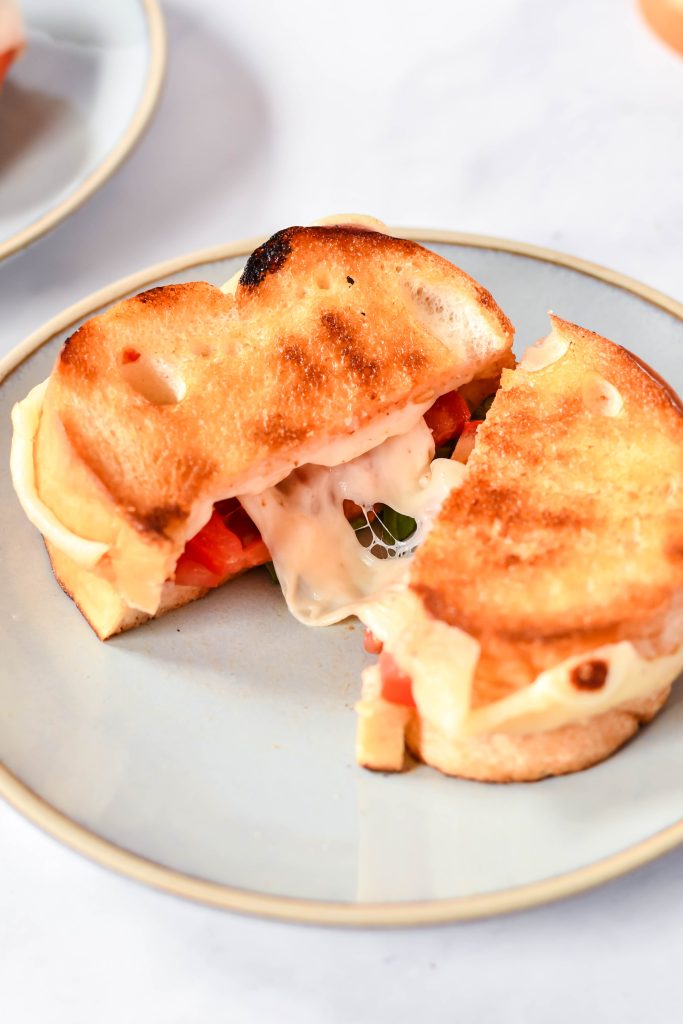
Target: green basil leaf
[(444, 451), (270, 569), (399, 527), (483, 407)]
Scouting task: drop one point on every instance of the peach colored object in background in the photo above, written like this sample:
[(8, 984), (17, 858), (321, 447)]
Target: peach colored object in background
[(665, 18)]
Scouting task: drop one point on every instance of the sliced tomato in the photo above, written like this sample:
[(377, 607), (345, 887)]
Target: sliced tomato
[(397, 687), (189, 573), (227, 506), (463, 448), (239, 523), (447, 417), (228, 544), (215, 546), (371, 644)]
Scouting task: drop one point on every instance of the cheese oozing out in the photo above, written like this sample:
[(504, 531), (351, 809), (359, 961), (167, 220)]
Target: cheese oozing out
[(441, 661), (325, 573)]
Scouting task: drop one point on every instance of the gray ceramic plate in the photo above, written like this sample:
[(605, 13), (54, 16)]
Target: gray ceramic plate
[(211, 753), (73, 107)]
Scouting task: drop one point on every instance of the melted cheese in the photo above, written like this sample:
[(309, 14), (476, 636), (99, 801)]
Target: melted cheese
[(341, 450), (381, 727), (544, 352), (356, 220), (441, 661), (599, 396), (25, 420), (230, 286), (324, 571)]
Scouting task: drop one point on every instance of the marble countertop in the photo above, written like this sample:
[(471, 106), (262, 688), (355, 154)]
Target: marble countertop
[(554, 124)]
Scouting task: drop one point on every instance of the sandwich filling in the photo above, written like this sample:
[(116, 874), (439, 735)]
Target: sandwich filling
[(427, 667), (342, 532), (318, 554), (338, 532)]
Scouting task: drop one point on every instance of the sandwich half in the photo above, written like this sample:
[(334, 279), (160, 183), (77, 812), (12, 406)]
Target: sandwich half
[(168, 421), (542, 623)]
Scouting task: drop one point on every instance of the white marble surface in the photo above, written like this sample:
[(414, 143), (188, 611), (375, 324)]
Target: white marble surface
[(555, 124)]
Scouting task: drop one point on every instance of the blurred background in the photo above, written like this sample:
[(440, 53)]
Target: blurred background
[(558, 124)]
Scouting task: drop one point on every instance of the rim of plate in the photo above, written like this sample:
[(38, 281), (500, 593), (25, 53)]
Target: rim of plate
[(323, 912), (136, 126)]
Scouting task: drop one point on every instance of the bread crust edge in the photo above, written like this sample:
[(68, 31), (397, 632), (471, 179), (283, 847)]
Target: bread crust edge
[(508, 757), (100, 604)]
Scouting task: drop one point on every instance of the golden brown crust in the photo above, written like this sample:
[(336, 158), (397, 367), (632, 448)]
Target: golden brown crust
[(183, 395), (527, 758), (568, 532), (250, 367)]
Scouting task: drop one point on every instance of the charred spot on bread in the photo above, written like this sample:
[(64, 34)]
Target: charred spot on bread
[(155, 296), (158, 519), (267, 258), (590, 675)]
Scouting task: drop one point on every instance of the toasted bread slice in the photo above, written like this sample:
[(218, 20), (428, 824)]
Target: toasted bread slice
[(568, 532), (184, 395), (566, 539)]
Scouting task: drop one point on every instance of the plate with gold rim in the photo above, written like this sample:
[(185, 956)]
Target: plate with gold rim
[(210, 753)]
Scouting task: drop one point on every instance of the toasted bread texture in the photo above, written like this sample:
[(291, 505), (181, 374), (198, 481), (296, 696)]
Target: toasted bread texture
[(568, 531), (184, 395), (567, 535), (100, 604), (505, 757)]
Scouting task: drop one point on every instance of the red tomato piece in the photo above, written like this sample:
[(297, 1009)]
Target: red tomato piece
[(189, 573), (225, 546), (227, 506), (447, 417), (371, 644), (215, 546), (463, 448), (239, 523), (397, 687)]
